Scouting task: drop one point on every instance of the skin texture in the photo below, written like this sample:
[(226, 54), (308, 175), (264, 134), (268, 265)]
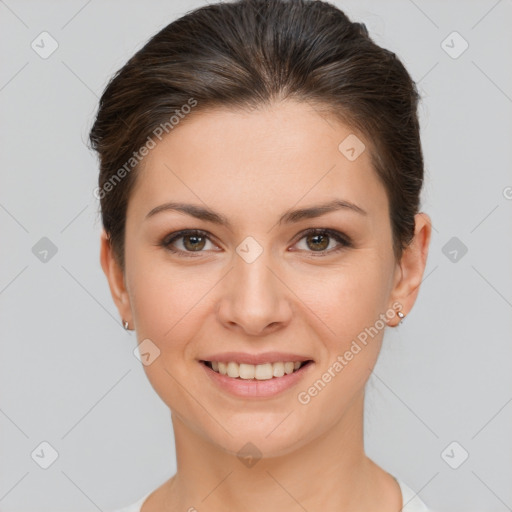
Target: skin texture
[(252, 167)]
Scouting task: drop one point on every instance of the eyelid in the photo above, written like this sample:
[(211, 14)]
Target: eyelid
[(333, 232), (176, 235), (343, 240)]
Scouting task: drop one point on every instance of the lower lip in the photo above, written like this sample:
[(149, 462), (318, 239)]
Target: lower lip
[(252, 388)]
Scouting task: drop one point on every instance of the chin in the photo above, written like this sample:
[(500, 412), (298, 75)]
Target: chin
[(260, 438)]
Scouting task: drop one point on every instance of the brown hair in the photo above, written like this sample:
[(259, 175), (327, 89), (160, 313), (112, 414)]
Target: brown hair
[(250, 53)]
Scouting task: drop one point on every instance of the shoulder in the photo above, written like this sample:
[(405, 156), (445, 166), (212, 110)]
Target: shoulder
[(411, 501)]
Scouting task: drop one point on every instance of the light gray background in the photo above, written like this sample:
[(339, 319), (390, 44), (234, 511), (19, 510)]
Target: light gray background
[(68, 375)]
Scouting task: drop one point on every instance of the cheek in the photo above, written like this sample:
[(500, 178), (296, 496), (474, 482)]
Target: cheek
[(165, 300), (351, 307), (352, 296), (166, 307), (157, 290), (165, 304)]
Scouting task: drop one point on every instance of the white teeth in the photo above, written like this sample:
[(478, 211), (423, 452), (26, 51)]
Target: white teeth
[(247, 371), (233, 370), (264, 371), (278, 369)]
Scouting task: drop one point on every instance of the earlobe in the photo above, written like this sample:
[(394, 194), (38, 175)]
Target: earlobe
[(412, 266), (115, 277)]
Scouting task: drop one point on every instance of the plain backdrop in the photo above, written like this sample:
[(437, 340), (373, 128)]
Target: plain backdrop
[(439, 404)]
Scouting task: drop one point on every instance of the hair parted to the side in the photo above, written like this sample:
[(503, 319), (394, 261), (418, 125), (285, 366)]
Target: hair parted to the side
[(252, 53)]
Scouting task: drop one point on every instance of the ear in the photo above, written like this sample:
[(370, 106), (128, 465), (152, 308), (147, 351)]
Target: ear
[(115, 277), (412, 266)]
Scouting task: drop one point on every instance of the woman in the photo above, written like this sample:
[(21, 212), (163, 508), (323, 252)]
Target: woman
[(260, 180)]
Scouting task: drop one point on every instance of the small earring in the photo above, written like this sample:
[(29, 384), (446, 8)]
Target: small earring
[(401, 316), (126, 325)]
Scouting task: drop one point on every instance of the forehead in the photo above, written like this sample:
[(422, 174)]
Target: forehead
[(274, 156)]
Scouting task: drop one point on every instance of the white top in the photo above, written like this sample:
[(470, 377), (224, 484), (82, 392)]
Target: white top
[(410, 501)]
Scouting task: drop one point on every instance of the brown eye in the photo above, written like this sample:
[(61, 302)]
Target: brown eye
[(318, 242), (187, 242), (193, 242)]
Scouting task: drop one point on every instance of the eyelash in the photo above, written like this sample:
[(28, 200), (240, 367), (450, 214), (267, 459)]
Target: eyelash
[(343, 240)]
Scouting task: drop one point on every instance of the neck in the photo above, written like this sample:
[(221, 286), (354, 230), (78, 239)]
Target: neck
[(330, 473)]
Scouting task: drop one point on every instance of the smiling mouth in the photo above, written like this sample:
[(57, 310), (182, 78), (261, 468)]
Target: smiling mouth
[(264, 371)]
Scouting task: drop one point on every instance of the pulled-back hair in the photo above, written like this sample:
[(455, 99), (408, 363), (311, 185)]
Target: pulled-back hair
[(250, 53)]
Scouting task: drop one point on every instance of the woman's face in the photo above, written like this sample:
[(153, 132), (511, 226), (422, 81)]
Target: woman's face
[(253, 281)]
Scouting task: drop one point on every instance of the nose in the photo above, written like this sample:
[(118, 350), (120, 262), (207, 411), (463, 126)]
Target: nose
[(254, 298)]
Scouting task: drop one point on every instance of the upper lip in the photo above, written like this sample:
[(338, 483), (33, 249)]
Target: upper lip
[(265, 357)]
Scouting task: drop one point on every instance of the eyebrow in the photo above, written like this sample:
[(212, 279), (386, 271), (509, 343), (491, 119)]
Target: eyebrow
[(289, 217)]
